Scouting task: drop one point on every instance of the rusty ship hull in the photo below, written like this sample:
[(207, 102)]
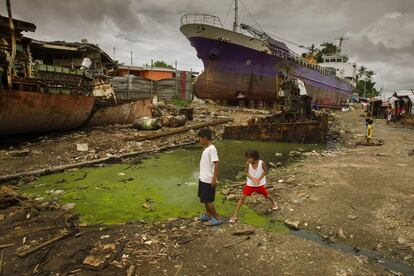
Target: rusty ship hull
[(240, 67), (34, 112), (24, 112)]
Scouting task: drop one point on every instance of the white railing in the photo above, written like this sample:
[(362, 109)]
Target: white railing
[(206, 19)]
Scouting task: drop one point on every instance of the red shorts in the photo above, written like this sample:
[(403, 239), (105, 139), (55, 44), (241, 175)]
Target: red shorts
[(248, 190)]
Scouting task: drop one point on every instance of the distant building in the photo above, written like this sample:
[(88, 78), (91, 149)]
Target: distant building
[(155, 74)]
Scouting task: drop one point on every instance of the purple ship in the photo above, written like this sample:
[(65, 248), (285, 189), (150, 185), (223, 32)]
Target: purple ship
[(238, 67)]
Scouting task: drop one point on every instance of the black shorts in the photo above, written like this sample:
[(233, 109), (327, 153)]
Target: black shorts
[(205, 192)]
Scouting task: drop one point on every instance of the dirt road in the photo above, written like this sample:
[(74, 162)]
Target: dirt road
[(360, 196), (364, 195)]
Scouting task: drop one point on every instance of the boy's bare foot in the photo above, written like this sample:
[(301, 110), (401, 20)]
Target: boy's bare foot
[(274, 207)]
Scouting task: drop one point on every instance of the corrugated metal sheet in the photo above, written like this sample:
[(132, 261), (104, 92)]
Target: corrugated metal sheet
[(132, 87), (167, 88), (138, 88)]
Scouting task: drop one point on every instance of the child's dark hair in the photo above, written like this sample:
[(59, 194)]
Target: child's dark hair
[(252, 153), (206, 133)]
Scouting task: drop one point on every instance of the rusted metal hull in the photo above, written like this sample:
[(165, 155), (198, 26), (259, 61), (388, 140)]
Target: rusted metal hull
[(230, 86), (303, 132), (234, 72), (125, 113), (34, 112)]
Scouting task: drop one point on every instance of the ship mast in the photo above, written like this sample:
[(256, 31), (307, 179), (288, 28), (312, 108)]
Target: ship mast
[(236, 16)]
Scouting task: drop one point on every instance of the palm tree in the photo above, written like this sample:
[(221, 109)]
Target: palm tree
[(361, 72), (311, 54), (328, 49), (369, 74)]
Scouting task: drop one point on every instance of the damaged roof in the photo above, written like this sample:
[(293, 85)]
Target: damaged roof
[(19, 25), (73, 46)]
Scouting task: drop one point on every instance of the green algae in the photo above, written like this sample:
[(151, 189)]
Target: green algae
[(166, 185)]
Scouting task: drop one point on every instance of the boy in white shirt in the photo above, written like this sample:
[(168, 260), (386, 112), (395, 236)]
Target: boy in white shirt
[(208, 178)]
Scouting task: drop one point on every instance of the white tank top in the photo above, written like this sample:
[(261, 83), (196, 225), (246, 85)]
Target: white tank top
[(256, 173)]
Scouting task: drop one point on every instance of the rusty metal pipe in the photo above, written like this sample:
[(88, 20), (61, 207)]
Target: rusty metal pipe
[(13, 45)]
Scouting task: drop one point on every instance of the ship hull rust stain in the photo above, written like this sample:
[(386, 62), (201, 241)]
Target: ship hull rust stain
[(125, 113), (34, 112), (303, 132)]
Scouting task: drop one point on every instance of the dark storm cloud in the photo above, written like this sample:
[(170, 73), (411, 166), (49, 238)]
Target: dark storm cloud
[(78, 14), (380, 32)]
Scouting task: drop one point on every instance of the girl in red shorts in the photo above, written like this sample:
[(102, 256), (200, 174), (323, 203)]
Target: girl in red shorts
[(256, 180)]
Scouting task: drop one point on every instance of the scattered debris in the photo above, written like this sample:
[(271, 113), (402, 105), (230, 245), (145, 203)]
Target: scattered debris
[(131, 270), (243, 232), (292, 224), (341, 234), (146, 123), (6, 245), (98, 255), (19, 152), (23, 251), (82, 147), (68, 206), (237, 242), (1, 261)]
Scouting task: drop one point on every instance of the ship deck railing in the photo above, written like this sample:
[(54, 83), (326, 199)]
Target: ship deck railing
[(205, 19), (300, 60)]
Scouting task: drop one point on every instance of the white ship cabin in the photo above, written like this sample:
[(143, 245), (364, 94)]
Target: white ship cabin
[(343, 68)]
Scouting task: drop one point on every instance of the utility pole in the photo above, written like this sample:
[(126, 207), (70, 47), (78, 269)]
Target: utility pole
[(114, 52), (152, 64), (131, 58), (236, 16), (176, 80), (128, 82)]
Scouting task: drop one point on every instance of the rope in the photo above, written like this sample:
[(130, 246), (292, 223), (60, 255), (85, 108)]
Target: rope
[(227, 15), (258, 25), (271, 35)]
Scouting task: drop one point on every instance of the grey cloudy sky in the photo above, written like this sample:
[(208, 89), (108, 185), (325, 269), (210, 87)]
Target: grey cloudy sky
[(380, 32)]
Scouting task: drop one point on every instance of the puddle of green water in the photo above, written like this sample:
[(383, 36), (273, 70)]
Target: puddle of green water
[(168, 183)]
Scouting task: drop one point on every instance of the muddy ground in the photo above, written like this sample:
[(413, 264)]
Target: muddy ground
[(357, 195)]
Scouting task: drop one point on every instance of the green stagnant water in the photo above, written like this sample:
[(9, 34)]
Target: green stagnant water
[(167, 183)]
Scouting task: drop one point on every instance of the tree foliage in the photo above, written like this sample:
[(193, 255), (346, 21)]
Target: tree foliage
[(365, 85), (161, 63), (328, 48)]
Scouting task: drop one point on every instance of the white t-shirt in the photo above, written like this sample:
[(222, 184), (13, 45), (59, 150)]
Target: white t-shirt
[(256, 173), (207, 160)]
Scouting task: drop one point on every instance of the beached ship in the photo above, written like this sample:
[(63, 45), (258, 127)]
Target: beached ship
[(56, 86), (239, 67)]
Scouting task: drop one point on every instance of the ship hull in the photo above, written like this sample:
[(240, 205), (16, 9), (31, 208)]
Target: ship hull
[(236, 72), (34, 112), (23, 112)]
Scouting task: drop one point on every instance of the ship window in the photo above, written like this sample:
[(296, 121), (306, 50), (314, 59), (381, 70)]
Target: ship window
[(339, 60)]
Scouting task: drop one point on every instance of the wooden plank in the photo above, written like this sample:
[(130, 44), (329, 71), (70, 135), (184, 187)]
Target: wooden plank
[(30, 250)]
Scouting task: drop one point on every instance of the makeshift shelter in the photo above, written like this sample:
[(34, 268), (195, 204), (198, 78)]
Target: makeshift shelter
[(402, 103), (378, 107)]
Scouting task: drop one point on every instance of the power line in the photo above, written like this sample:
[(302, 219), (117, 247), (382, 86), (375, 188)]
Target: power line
[(258, 25), (228, 12), (272, 35)]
